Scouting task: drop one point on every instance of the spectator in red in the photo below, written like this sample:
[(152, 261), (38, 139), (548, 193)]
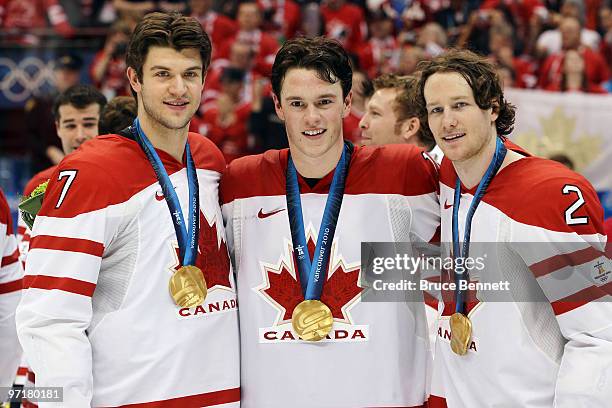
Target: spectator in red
[(606, 27), (217, 26), (596, 70), (30, 14), (432, 39), (108, 67), (573, 76), (502, 53), (380, 54), (282, 18), (226, 124), (409, 57), (263, 45), (344, 22), (551, 41), (241, 57)]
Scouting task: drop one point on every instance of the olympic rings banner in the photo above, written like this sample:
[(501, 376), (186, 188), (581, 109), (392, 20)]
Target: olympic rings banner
[(574, 124), (29, 72)]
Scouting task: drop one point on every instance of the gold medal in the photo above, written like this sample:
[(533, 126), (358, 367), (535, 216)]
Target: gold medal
[(461, 332), (188, 286), (312, 320)]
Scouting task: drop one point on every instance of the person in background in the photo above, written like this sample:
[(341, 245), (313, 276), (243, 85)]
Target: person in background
[(108, 67), (118, 114), (41, 132)]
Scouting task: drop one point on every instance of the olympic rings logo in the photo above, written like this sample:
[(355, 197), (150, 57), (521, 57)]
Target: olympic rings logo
[(19, 81)]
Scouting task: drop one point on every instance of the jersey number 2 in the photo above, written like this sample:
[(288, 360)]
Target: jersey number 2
[(70, 174), (569, 218)]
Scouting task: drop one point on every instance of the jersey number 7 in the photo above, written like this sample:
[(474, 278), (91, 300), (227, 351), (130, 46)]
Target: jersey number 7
[(70, 175)]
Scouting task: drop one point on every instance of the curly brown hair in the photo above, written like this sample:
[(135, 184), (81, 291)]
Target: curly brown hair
[(480, 75)]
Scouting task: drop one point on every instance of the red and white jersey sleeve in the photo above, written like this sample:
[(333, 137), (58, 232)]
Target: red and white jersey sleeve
[(570, 263), (390, 196), (11, 275), (546, 340), (97, 317)]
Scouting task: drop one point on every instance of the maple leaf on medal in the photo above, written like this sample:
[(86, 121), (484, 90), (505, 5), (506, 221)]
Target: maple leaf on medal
[(340, 288), (212, 258)]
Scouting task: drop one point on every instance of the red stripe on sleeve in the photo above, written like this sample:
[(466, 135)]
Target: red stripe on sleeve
[(67, 244), (12, 286), (557, 262), (21, 229), (436, 402), (10, 259), (76, 286), (201, 400), (581, 298)]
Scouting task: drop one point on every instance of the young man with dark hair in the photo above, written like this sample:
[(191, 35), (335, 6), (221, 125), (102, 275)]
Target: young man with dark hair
[(392, 115), (129, 298), (544, 338), (323, 197)]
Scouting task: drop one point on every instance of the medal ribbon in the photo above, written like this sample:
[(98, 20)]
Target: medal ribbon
[(496, 162), (312, 274), (187, 236)]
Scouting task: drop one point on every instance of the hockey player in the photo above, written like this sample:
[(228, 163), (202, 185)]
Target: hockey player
[(546, 339), (295, 220), (391, 115), (11, 275), (116, 311)]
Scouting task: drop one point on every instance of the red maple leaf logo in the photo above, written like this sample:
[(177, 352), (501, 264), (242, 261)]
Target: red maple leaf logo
[(341, 287), (212, 258)]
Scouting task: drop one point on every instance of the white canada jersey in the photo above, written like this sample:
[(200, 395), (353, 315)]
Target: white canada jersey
[(97, 317), (11, 275), (545, 340), (376, 354)]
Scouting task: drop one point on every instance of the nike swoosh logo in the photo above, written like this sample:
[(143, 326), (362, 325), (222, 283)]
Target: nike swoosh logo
[(447, 205), (262, 215)]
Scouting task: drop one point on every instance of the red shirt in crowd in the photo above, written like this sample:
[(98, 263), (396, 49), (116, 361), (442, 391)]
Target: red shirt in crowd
[(595, 68), (286, 17), (218, 27), (264, 47), (347, 25)]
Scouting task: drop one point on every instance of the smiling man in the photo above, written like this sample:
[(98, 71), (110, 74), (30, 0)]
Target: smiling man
[(392, 115), (117, 310), (295, 220), (547, 340)]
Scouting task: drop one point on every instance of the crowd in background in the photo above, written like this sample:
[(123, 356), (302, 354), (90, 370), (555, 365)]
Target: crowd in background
[(560, 45)]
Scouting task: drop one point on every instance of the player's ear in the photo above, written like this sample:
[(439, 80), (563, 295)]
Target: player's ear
[(277, 107), (409, 129), (347, 104), (494, 110), (133, 78)]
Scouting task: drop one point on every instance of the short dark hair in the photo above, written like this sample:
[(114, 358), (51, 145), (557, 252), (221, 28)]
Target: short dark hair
[(405, 104), (167, 30), (320, 54), (481, 76), (118, 114), (79, 96)]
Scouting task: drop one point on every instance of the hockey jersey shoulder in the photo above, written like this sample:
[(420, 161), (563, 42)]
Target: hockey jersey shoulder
[(552, 197), (5, 212), (392, 169), (257, 175), (206, 154)]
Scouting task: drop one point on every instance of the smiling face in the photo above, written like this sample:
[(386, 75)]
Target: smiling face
[(461, 128), (312, 110), (171, 87), (378, 124), (76, 126)]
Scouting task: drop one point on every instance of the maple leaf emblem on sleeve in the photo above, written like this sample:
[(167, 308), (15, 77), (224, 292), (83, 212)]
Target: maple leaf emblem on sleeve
[(212, 258), (340, 290)]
